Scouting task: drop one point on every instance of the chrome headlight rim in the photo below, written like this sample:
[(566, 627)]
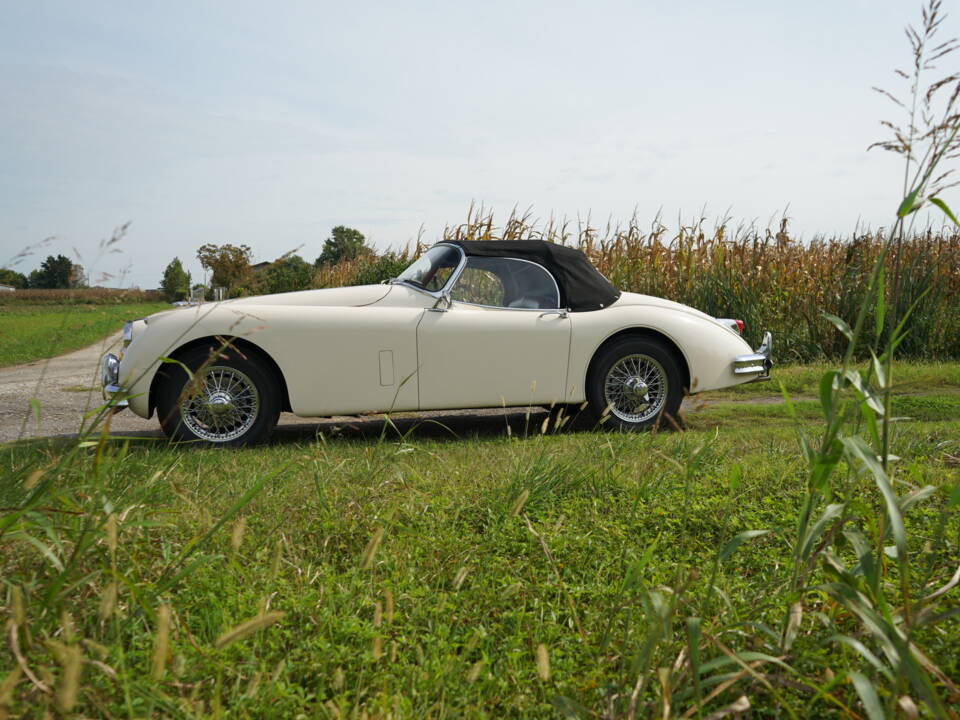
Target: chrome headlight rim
[(109, 370)]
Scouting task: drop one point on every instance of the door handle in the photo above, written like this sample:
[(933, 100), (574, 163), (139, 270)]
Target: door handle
[(562, 313)]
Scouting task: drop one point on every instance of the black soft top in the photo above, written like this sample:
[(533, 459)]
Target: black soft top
[(582, 287)]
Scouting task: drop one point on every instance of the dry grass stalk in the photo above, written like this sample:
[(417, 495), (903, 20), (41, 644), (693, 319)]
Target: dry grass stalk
[(111, 530), (543, 662), (475, 671), (460, 577), (248, 628), (161, 646), (108, 600), (519, 503), (388, 599), (370, 551), (236, 535), (71, 662)]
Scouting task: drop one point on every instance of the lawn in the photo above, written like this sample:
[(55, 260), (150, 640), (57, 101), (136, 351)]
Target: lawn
[(488, 574), (35, 332)]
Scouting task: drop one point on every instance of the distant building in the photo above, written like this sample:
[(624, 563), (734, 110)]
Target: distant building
[(7, 288)]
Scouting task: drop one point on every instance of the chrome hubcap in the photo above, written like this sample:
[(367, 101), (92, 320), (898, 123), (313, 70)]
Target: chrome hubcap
[(635, 389), (223, 407)]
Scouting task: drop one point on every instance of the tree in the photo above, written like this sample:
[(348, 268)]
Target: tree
[(78, 278), (288, 274), (176, 282), (54, 272), (13, 278), (344, 243), (229, 264)]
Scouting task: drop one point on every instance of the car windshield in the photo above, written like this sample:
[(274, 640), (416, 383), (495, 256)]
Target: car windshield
[(432, 269)]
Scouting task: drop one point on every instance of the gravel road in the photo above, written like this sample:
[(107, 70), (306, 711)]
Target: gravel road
[(68, 386)]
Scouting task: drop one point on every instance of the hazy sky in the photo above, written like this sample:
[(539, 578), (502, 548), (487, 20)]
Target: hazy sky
[(269, 123)]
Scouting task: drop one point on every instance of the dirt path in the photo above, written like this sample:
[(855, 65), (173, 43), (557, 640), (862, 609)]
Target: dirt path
[(66, 387)]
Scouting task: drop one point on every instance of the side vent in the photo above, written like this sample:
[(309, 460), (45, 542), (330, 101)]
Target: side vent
[(386, 368)]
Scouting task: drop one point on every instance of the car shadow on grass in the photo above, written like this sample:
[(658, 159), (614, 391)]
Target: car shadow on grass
[(445, 426)]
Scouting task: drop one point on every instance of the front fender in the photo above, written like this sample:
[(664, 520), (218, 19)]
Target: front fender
[(166, 331)]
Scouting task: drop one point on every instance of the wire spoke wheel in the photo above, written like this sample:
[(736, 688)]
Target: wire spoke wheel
[(635, 388), (223, 405)]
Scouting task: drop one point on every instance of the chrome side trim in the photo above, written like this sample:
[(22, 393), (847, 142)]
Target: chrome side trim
[(758, 362)]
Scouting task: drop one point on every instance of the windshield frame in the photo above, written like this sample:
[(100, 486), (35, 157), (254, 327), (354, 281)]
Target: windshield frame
[(447, 286)]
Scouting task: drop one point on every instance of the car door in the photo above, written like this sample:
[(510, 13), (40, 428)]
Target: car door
[(503, 340)]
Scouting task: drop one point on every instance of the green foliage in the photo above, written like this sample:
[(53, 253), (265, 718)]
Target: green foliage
[(229, 265), (628, 554), (13, 278), (176, 282), (344, 243), (55, 272), (379, 268), (288, 274)]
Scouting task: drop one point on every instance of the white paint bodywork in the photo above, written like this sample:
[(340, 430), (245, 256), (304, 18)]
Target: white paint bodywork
[(376, 348)]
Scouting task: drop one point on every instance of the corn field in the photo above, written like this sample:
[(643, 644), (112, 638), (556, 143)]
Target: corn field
[(767, 278)]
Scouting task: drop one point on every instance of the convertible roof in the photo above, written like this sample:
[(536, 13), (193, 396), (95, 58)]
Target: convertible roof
[(582, 287)]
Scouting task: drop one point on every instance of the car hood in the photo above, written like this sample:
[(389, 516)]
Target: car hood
[(330, 297)]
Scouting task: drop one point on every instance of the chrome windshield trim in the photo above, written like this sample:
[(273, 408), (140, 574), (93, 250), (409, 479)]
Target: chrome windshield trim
[(454, 276)]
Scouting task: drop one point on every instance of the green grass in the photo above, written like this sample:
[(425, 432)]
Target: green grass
[(36, 332), (629, 530), (803, 380)]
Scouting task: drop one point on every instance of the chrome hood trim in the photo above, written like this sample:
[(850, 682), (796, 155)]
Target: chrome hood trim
[(330, 297)]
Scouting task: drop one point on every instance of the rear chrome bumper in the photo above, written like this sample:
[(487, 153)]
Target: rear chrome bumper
[(110, 380), (757, 363)]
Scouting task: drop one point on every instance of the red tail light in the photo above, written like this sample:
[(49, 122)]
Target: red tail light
[(739, 326)]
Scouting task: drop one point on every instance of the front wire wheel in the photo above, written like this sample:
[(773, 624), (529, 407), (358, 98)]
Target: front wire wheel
[(223, 407), (232, 400), (635, 383)]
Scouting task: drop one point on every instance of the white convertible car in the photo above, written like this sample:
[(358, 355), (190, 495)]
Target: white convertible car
[(467, 325)]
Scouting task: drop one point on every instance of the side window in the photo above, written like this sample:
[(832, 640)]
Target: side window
[(507, 282), (478, 287)]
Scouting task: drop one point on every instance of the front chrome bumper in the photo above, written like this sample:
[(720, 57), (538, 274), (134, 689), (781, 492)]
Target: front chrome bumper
[(110, 380), (757, 363)]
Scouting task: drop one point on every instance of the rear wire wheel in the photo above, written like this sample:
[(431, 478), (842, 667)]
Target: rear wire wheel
[(232, 400), (636, 383)]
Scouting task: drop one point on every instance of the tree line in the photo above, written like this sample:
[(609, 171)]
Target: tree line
[(231, 267), (54, 273)]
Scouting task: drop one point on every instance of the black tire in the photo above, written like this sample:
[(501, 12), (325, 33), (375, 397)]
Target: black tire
[(234, 399), (635, 383)]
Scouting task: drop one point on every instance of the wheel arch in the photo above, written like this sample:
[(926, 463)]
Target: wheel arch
[(242, 346), (647, 333)]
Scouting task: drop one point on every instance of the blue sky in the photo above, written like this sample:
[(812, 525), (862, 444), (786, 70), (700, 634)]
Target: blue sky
[(269, 123)]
